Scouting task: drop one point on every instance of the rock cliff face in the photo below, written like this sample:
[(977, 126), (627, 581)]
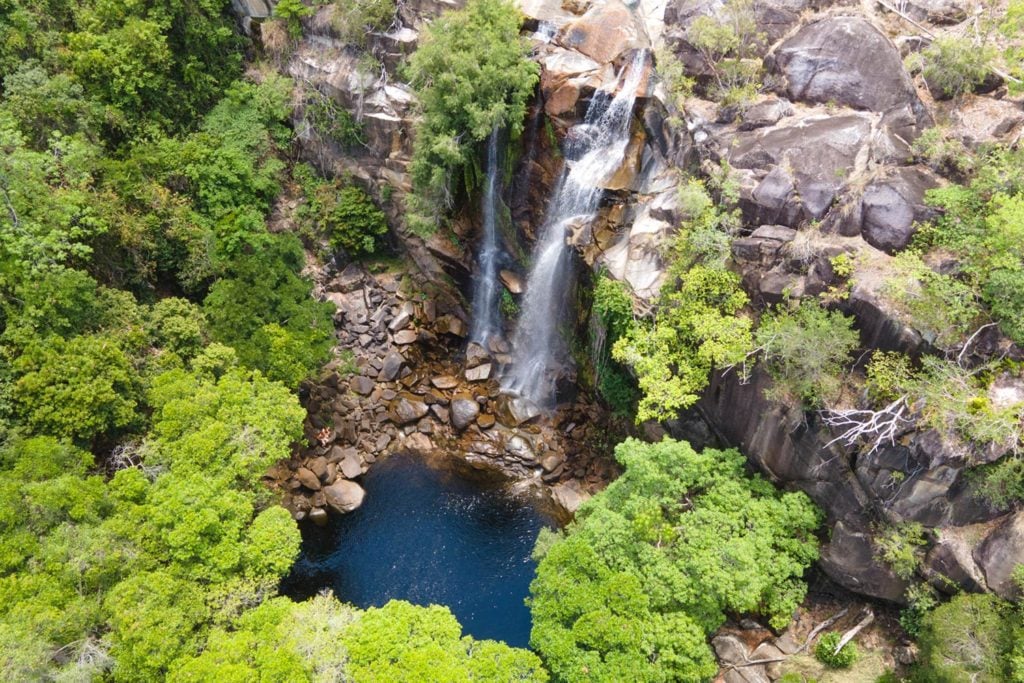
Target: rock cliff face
[(824, 164)]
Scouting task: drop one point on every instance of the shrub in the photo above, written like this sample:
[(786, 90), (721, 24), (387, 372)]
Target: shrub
[(355, 20), (955, 402), (955, 66), (341, 212), (332, 121), (1000, 483), (825, 651), (899, 546), (805, 352), (727, 42), (942, 308), (889, 376), (292, 12)]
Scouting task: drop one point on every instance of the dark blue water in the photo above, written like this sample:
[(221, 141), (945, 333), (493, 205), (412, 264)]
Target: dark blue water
[(430, 537)]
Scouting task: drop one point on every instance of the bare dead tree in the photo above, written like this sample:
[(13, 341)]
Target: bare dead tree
[(872, 427)]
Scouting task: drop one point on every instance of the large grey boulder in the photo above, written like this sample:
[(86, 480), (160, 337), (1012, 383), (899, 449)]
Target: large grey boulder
[(1000, 554), (844, 60), (849, 559), (892, 208), (949, 565), (797, 171)]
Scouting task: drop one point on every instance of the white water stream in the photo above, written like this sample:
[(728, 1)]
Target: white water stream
[(594, 150)]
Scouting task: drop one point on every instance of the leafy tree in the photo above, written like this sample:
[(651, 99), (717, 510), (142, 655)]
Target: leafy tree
[(472, 74), (237, 425), (404, 643), (653, 563), (81, 389), (696, 329), (968, 639), (805, 351), (263, 309)]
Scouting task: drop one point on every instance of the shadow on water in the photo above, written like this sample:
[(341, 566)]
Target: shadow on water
[(430, 536)]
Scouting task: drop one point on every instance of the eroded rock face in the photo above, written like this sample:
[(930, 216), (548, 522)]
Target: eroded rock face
[(1000, 554), (798, 170), (849, 559), (847, 61)]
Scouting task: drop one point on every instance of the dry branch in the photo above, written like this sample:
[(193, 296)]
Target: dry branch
[(876, 427)]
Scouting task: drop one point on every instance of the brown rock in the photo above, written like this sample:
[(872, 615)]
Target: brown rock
[(445, 381), (485, 421), (318, 516), (318, 466), (480, 373), (308, 479), (419, 442), (406, 408), (362, 385), (405, 337), (476, 355)]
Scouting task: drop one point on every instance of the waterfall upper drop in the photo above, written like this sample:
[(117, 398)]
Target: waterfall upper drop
[(486, 288), (594, 150)]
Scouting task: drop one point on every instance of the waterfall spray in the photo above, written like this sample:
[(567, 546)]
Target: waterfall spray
[(594, 150), (486, 288)]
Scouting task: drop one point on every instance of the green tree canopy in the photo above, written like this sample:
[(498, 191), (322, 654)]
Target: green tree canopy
[(653, 563), (472, 74)]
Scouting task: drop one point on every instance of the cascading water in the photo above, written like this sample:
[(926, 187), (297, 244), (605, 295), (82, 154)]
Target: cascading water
[(486, 320), (594, 151)]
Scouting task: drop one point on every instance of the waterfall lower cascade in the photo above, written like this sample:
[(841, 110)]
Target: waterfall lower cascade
[(486, 319), (594, 151)]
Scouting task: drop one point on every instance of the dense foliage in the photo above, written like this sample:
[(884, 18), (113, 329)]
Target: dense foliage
[(472, 75), (654, 563), (972, 638), (152, 331)]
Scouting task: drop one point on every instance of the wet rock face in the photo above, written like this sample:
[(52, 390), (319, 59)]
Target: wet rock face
[(604, 33), (847, 61)]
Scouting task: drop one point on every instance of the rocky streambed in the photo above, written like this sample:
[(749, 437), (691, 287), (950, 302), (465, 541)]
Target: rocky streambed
[(407, 382)]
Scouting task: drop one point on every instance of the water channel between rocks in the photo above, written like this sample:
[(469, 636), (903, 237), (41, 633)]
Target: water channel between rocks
[(429, 535)]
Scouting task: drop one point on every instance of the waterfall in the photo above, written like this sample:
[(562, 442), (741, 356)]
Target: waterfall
[(594, 150), (486, 288)]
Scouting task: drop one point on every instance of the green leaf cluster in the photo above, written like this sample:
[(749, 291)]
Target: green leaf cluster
[(805, 351), (653, 563), (825, 651), (697, 327), (472, 74), (981, 223)]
